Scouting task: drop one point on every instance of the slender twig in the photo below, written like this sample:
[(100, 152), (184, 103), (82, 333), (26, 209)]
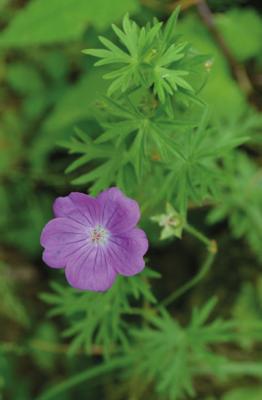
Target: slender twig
[(238, 70)]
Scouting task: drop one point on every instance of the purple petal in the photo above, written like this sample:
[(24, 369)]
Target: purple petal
[(79, 207), (90, 270), (126, 252), (61, 237), (119, 213)]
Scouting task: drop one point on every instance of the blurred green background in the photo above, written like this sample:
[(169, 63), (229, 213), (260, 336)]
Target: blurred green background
[(47, 87)]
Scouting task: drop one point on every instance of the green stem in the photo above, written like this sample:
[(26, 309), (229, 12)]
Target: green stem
[(53, 392), (203, 271), (136, 311), (212, 249), (204, 239)]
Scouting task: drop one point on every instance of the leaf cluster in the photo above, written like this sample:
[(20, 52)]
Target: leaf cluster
[(240, 200), (151, 57), (96, 322), (171, 356), (146, 131)]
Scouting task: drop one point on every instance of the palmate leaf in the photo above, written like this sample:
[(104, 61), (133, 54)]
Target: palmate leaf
[(103, 174), (170, 356), (130, 137), (196, 175), (148, 56), (153, 128), (96, 319), (166, 354)]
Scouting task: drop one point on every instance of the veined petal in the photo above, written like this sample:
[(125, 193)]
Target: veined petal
[(90, 271), (79, 207), (125, 252), (119, 213), (61, 237)]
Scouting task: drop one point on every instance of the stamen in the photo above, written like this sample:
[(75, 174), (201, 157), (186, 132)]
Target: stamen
[(99, 235)]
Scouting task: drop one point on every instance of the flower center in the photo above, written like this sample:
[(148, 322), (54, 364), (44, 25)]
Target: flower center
[(99, 235)]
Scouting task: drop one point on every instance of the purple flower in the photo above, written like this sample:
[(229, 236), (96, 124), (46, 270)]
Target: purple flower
[(95, 239)]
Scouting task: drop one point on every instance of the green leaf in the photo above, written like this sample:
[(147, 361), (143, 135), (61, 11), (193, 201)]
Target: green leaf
[(96, 318), (11, 305), (242, 30), (24, 78), (77, 102), (244, 393), (60, 21), (170, 25), (221, 92), (149, 58)]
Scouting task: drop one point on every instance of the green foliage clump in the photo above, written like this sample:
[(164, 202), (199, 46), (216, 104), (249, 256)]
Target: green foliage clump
[(145, 118), (240, 200), (153, 57), (97, 321), (165, 117), (10, 303), (173, 356), (152, 132)]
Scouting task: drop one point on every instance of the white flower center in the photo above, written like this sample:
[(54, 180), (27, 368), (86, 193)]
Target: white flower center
[(98, 235)]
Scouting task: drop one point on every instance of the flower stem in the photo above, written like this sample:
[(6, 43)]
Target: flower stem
[(203, 271), (211, 246), (199, 235)]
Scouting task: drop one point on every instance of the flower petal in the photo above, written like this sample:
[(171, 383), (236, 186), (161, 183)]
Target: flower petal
[(62, 237), (119, 213), (90, 270), (126, 252), (79, 207)]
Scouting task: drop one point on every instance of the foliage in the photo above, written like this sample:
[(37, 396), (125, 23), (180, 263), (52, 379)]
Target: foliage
[(164, 116), (60, 22), (247, 311), (172, 356), (97, 321), (244, 393), (10, 303), (153, 58), (244, 46), (243, 212), (150, 135)]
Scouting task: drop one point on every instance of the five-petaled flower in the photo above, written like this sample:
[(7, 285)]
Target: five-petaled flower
[(95, 239)]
